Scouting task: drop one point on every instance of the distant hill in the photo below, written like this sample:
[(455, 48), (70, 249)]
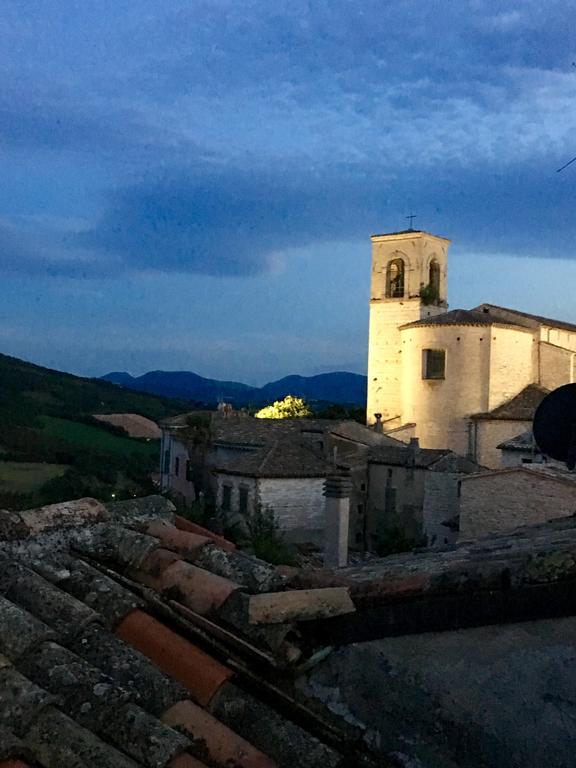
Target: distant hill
[(186, 385), (29, 388), (51, 446), (339, 387)]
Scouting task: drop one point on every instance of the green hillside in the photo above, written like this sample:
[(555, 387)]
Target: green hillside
[(52, 449)]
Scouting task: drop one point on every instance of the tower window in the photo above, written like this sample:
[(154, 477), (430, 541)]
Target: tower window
[(434, 279), (433, 363), (395, 279)]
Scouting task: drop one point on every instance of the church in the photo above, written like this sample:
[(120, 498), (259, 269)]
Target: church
[(466, 380)]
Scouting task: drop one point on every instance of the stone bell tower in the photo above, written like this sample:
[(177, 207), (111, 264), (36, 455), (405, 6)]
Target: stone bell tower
[(409, 282)]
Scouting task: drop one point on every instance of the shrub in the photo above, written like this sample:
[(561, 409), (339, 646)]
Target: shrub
[(265, 538), (395, 540)]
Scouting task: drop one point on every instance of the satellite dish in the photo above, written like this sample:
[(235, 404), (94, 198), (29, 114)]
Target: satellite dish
[(554, 425)]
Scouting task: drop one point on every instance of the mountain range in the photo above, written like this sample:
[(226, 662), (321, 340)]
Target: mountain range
[(339, 387)]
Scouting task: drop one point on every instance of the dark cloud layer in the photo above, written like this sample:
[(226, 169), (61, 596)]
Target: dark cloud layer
[(233, 131)]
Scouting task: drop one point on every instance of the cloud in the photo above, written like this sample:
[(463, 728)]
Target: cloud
[(225, 222), (231, 132)]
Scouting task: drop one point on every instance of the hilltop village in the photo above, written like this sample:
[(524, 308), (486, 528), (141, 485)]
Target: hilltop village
[(447, 451), (303, 591)]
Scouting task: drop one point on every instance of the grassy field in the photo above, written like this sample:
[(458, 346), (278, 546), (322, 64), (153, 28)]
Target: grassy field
[(27, 477), (86, 436)]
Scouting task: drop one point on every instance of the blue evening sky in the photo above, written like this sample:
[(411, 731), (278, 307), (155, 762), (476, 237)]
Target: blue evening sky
[(192, 185)]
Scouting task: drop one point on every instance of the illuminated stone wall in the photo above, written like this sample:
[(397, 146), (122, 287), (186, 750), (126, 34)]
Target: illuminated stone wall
[(417, 250)]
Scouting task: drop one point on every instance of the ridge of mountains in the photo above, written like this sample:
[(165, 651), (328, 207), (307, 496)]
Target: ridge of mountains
[(338, 387)]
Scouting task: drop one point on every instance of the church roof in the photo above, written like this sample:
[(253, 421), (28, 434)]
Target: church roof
[(522, 318), (461, 317), (521, 407), (410, 232), (522, 442)]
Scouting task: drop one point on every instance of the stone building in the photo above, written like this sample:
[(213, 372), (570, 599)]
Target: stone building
[(245, 462), (443, 375), (507, 498), (414, 492), (284, 476)]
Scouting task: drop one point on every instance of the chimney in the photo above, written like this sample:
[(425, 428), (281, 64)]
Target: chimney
[(337, 490), (378, 426), (413, 448)]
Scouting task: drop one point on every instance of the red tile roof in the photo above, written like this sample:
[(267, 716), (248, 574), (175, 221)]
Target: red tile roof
[(114, 649)]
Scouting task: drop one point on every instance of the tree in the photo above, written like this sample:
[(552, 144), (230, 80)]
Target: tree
[(289, 408)]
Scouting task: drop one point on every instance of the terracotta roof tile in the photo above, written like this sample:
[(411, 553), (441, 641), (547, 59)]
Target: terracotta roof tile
[(222, 745), (521, 407), (82, 695), (186, 761), (524, 318), (197, 588), (59, 742), (462, 317), (173, 654), (107, 597), (187, 525), (11, 746), (64, 515), (149, 686), (20, 631), (184, 542), (57, 609)]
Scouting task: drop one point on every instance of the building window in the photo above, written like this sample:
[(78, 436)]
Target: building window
[(167, 462), (395, 279), (433, 363), (360, 509), (226, 497), (363, 486), (177, 466), (390, 473), (243, 501), (188, 470), (390, 500)]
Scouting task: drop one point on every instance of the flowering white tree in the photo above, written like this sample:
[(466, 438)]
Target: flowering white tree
[(290, 408)]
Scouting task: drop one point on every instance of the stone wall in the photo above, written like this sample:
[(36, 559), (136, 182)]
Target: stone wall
[(513, 362), (489, 434), (173, 469), (396, 497), (441, 407), (236, 482), (507, 499), (441, 503), (557, 366), (298, 504)]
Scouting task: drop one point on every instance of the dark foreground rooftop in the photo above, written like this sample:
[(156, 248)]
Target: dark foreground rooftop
[(129, 637)]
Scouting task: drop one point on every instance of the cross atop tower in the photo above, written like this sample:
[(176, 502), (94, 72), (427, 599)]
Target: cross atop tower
[(411, 217)]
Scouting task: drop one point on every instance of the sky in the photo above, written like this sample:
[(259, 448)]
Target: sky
[(190, 185)]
